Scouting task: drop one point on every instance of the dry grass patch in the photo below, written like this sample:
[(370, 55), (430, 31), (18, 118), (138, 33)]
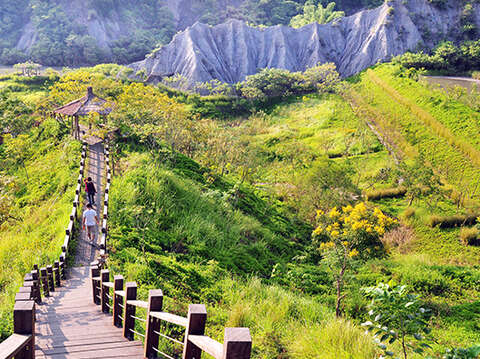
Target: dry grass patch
[(399, 238)]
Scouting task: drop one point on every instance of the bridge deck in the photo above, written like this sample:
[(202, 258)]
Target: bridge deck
[(69, 324)]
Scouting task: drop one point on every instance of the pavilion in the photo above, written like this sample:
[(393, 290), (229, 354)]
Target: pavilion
[(90, 103)]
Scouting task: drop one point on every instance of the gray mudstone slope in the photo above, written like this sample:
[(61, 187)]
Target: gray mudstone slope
[(231, 51)]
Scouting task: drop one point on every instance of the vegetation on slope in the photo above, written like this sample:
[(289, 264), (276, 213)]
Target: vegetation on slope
[(227, 217), (447, 58)]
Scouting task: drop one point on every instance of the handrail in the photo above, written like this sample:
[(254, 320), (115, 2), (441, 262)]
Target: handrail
[(138, 303), (39, 280), (15, 343), (170, 318), (122, 305), (208, 345), (104, 229)]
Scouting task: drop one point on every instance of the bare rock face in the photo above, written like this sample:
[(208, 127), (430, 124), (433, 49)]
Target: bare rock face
[(231, 51)]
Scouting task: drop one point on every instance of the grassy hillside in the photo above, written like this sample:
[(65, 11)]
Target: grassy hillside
[(172, 229), (38, 167)]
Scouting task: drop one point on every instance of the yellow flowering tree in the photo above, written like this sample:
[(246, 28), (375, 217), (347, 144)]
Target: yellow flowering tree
[(347, 235)]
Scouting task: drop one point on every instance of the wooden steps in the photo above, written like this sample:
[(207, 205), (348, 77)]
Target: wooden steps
[(70, 325)]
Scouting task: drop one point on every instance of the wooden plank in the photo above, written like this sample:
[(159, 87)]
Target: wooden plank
[(95, 350), (208, 345), (108, 284), (138, 303), (171, 318), (120, 292), (13, 344)]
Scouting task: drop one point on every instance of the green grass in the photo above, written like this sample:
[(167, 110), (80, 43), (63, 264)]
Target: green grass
[(42, 205)]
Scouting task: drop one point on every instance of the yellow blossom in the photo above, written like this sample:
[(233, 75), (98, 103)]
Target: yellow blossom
[(356, 226), (334, 213), (380, 230), (353, 253), (347, 209), (335, 233)]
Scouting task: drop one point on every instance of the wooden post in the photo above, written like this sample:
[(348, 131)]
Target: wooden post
[(63, 275), (56, 272), (37, 293), (196, 319), (129, 310), (95, 273), (44, 279), (51, 284), (65, 254), (155, 304), (117, 301), (237, 343), (24, 323), (104, 277)]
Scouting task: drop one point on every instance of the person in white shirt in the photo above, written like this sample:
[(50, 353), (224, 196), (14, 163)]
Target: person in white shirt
[(90, 220)]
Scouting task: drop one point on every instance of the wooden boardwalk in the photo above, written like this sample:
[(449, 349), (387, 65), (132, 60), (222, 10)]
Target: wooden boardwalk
[(68, 323)]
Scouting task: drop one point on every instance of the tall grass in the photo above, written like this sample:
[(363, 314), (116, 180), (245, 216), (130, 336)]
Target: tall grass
[(287, 325), (43, 205)]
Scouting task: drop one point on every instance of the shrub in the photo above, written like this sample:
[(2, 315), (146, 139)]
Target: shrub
[(461, 353), (452, 221), (397, 315), (386, 193), (469, 236)]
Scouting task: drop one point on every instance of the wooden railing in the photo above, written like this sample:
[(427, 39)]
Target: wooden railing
[(103, 238), (121, 301), (40, 281)]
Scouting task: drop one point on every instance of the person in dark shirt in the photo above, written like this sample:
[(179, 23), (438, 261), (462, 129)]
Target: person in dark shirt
[(90, 189)]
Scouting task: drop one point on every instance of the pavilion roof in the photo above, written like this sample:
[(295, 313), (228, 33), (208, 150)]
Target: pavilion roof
[(90, 103)]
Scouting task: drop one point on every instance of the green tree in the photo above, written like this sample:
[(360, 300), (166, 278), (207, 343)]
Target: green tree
[(316, 13), (154, 118), (347, 236), (397, 315)]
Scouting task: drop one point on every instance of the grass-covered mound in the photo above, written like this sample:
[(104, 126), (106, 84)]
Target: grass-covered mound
[(203, 240), (37, 185)]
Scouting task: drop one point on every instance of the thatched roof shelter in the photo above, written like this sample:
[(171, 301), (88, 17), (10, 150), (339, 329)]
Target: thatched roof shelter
[(90, 103)]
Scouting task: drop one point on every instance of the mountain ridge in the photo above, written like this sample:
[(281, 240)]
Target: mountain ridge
[(233, 50)]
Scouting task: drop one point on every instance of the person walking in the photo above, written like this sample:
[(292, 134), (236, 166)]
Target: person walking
[(90, 189), (90, 220)]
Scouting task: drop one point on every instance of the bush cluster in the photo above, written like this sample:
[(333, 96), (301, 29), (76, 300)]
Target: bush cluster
[(446, 58), (452, 221), (469, 236), (386, 193)]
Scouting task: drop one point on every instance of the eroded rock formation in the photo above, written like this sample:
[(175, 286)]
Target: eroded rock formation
[(231, 51)]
